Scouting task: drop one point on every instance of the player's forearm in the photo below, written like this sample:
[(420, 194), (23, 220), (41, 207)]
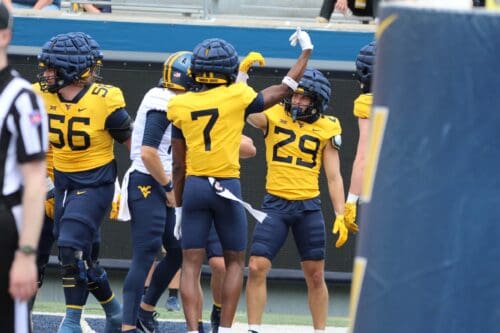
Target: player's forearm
[(299, 67), (178, 169), (33, 203), (357, 175), (336, 191), (153, 164)]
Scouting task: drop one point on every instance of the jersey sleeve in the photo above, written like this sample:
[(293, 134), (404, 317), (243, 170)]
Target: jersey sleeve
[(363, 106), (30, 127), (114, 99)]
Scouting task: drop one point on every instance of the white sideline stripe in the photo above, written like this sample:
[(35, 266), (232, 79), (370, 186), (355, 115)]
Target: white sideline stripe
[(238, 327)]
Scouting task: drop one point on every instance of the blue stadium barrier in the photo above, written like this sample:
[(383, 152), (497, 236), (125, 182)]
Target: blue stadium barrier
[(431, 231)]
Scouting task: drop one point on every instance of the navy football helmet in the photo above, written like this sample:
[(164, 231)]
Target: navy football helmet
[(96, 53), (70, 56), (177, 72), (315, 85), (365, 62), (215, 61)]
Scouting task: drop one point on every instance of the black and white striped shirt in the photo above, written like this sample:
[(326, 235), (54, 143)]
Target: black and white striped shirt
[(23, 129)]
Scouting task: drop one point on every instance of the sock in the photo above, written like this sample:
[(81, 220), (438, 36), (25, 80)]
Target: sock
[(73, 315), (112, 306), (145, 290), (200, 326), (225, 330), (173, 292), (254, 328)]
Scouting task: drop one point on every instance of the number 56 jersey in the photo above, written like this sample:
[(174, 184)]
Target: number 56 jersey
[(294, 153), (79, 129)]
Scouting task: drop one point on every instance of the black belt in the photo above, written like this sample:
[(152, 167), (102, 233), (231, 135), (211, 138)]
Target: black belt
[(12, 199)]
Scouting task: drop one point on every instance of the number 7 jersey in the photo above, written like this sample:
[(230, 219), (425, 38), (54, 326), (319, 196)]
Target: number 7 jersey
[(212, 122), (294, 153), (77, 129)]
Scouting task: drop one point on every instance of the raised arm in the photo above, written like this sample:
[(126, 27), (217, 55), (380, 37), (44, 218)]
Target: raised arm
[(274, 94)]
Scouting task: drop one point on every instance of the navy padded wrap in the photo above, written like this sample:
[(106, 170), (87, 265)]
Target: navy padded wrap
[(70, 55), (94, 45), (365, 62), (317, 86), (215, 56)]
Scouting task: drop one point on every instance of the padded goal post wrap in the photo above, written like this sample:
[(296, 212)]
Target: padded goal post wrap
[(428, 254)]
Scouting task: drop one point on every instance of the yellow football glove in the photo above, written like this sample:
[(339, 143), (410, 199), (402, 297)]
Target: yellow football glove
[(340, 228), (49, 207), (250, 59), (350, 217), (115, 207)]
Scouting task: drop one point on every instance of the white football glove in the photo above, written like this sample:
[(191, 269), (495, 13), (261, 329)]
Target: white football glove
[(177, 227), (303, 38)]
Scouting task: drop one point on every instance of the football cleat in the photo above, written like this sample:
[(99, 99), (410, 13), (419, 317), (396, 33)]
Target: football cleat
[(146, 321), (173, 304)]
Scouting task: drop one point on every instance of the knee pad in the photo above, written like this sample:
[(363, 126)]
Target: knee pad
[(96, 275), (74, 268)]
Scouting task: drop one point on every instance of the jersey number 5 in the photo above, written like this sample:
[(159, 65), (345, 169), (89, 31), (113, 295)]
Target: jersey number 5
[(302, 146), (72, 133), (213, 114)]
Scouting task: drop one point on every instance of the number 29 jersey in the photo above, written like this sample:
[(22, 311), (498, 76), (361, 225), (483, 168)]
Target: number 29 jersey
[(77, 130), (212, 122), (294, 153)]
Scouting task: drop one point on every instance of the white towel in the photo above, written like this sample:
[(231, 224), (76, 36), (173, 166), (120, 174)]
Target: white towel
[(123, 211), (225, 193)]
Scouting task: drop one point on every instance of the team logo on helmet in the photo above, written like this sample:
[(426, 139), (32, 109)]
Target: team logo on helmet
[(177, 72)]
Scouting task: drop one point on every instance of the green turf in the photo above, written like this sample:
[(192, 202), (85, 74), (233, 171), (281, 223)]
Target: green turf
[(269, 318)]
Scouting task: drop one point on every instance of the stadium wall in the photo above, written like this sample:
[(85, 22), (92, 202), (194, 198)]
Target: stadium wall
[(134, 53)]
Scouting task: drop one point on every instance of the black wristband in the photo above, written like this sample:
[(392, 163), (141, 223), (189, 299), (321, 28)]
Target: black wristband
[(27, 250), (169, 186)]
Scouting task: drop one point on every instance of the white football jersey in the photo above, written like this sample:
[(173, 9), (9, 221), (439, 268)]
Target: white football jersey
[(155, 99)]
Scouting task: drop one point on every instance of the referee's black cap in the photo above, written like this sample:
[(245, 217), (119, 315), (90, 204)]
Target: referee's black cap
[(5, 17)]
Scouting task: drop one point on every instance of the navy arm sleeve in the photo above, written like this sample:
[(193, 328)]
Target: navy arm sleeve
[(119, 125), (256, 106), (156, 125)]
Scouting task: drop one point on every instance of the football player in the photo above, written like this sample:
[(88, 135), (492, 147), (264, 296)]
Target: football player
[(150, 198), (365, 63), (47, 236), (85, 118), (299, 138), (206, 134)]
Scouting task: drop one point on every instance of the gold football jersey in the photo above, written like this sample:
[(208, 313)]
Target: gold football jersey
[(212, 122), (294, 153), (363, 106), (77, 132)]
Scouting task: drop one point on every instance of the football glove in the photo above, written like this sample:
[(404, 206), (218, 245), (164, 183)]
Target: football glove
[(340, 228), (303, 38), (177, 227), (350, 217), (251, 59), (49, 207), (115, 207)]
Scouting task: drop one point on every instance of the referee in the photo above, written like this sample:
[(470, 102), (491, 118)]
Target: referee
[(23, 142)]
